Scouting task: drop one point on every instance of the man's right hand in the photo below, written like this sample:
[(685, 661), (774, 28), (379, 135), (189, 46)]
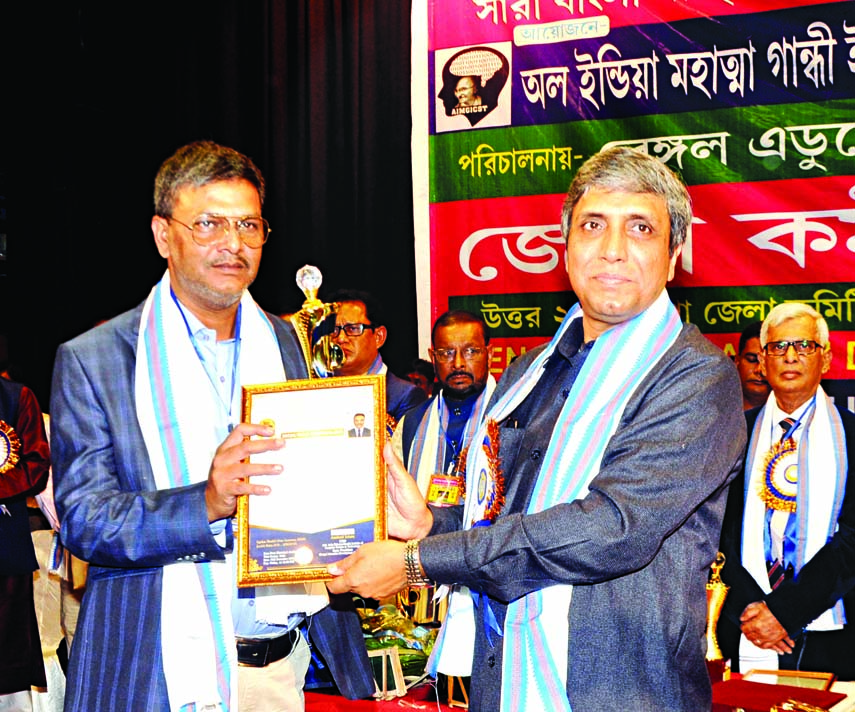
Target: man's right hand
[(229, 475), (407, 515)]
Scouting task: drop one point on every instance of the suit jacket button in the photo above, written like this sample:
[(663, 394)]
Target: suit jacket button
[(491, 660), (535, 455)]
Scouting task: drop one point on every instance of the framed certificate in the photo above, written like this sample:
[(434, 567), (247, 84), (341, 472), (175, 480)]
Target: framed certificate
[(795, 678), (331, 495)]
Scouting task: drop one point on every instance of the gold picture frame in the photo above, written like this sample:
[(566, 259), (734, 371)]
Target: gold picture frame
[(794, 678), (331, 496)]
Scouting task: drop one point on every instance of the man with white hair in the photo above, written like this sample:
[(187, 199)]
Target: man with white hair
[(789, 528)]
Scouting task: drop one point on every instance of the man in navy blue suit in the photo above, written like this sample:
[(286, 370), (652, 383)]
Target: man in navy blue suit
[(150, 458)]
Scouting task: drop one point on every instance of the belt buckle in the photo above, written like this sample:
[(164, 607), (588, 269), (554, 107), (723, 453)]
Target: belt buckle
[(255, 645)]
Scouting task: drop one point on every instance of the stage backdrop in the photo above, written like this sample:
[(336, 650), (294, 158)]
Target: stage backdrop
[(751, 101)]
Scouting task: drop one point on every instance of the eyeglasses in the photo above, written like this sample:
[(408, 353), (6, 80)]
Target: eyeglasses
[(208, 229), (803, 347), (350, 329), (469, 353)]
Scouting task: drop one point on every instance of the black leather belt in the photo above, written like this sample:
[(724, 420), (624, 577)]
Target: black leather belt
[(259, 652)]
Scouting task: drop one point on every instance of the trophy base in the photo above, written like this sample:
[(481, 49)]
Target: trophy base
[(717, 670)]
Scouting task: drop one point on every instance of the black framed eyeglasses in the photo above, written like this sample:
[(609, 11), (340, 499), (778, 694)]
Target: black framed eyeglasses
[(469, 353), (803, 347), (350, 329), (208, 229)]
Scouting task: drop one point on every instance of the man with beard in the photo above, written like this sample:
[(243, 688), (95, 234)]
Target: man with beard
[(433, 435)]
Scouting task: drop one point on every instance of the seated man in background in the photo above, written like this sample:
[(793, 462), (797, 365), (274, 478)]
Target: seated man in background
[(755, 387), (360, 331), (789, 527)]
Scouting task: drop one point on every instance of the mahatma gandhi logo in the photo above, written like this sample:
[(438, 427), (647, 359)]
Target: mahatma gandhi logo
[(472, 81)]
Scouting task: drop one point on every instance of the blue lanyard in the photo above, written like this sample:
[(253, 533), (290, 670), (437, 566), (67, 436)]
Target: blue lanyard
[(235, 357)]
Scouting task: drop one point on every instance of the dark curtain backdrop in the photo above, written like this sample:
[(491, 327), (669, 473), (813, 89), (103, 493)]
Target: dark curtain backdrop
[(317, 92)]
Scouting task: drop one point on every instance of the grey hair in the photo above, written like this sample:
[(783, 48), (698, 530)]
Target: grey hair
[(624, 169), (794, 310), (198, 164)]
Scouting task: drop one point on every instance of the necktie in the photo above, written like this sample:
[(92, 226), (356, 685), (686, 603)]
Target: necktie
[(777, 572)]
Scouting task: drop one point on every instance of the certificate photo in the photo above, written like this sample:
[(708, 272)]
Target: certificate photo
[(331, 495)]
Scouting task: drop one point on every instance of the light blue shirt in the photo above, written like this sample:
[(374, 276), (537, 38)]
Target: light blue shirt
[(218, 359)]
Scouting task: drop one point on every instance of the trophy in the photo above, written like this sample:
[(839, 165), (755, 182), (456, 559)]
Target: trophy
[(322, 355), (716, 593)]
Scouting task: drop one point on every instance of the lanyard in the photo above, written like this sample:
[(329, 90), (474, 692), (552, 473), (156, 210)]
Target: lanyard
[(229, 405)]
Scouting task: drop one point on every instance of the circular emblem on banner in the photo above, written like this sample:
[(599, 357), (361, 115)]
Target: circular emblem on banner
[(781, 476), (10, 447)]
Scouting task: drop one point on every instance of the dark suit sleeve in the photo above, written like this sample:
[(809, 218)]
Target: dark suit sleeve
[(742, 588), (401, 396), (111, 515), (680, 441)]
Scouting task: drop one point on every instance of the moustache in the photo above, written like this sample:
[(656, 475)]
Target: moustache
[(461, 373), (231, 260)]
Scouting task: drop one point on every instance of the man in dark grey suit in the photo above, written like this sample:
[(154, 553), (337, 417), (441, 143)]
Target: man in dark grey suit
[(595, 499), (150, 458)]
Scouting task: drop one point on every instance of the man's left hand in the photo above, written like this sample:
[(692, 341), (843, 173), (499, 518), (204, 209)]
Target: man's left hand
[(761, 627), (375, 570)]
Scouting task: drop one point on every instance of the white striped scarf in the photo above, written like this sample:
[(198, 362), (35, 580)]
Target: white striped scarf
[(427, 452), (182, 421)]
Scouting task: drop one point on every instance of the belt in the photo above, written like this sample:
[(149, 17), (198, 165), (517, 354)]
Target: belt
[(259, 652)]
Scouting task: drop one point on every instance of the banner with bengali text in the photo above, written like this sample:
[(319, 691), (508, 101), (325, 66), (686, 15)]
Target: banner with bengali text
[(751, 101)]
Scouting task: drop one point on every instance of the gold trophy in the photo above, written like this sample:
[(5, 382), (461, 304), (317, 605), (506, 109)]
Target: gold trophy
[(322, 356), (716, 593)]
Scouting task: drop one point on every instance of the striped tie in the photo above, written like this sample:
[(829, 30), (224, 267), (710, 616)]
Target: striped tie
[(776, 574)]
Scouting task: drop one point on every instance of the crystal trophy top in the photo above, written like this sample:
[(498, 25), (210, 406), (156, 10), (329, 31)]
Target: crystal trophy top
[(322, 355), (309, 280)]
